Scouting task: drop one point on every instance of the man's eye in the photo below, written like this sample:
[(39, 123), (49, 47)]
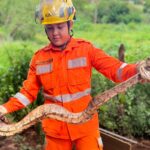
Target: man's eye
[(60, 27), (49, 28)]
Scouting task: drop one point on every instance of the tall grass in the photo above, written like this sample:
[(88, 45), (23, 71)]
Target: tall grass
[(135, 37)]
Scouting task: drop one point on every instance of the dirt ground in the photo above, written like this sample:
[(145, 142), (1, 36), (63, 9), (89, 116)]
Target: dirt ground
[(142, 145), (29, 140)]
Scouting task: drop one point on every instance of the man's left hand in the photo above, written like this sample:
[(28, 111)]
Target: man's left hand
[(143, 68)]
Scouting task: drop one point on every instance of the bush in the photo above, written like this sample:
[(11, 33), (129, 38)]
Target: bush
[(128, 113), (147, 6), (133, 17), (117, 12), (11, 81), (18, 18)]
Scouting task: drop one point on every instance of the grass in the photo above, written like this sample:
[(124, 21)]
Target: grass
[(108, 37), (14, 50), (135, 37)]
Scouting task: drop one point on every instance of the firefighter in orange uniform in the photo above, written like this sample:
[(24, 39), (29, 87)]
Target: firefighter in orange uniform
[(63, 68)]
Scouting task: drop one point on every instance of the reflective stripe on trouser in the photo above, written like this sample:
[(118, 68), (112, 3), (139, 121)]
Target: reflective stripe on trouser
[(89, 142)]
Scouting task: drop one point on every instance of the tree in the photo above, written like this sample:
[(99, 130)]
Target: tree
[(112, 11), (147, 6), (95, 4), (18, 17)]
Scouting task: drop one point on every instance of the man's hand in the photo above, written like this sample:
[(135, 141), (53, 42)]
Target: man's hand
[(3, 111), (143, 68), (2, 118)]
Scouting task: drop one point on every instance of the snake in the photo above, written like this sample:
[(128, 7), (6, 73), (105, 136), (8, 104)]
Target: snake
[(60, 113)]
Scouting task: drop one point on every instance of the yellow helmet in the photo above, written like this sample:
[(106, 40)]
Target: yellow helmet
[(55, 11)]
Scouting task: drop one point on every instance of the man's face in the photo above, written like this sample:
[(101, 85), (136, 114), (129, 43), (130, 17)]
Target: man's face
[(58, 33)]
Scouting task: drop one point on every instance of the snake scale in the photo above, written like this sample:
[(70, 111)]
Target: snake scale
[(57, 112)]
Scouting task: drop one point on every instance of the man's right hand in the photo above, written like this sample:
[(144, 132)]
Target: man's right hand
[(3, 111)]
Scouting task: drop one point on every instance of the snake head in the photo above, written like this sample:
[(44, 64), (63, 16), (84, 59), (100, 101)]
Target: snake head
[(4, 120), (147, 64)]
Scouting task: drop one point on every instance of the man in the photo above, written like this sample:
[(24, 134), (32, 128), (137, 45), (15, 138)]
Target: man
[(63, 69)]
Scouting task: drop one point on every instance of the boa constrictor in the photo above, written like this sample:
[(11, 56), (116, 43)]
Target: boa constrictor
[(57, 112)]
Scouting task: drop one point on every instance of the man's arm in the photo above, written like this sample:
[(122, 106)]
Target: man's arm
[(111, 67), (28, 92)]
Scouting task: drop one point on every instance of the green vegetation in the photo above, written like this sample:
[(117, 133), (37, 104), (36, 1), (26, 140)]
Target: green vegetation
[(110, 36), (20, 37), (113, 11)]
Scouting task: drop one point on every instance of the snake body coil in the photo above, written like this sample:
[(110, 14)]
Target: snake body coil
[(57, 112)]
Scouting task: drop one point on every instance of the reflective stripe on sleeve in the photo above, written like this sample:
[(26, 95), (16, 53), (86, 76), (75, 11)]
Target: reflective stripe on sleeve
[(119, 71), (79, 62), (68, 97), (22, 99)]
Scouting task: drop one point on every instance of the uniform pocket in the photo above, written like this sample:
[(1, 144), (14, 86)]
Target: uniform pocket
[(46, 75), (78, 76), (78, 71)]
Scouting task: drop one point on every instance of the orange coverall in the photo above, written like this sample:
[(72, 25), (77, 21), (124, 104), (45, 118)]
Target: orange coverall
[(66, 80)]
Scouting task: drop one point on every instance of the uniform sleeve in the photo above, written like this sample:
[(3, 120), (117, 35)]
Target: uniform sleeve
[(28, 92), (111, 67)]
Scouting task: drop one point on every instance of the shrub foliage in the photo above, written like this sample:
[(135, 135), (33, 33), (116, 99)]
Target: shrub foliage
[(128, 113)]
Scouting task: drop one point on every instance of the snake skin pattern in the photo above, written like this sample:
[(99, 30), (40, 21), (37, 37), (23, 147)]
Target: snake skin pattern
[(57, 112)]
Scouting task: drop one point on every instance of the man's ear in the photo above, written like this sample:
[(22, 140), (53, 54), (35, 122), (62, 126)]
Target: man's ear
[(71, 25), (47, 34)]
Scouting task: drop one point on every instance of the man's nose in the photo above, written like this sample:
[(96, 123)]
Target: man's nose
[(55, 31)]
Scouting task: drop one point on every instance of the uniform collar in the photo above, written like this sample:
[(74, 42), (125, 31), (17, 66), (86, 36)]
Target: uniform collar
[(71, 44)]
